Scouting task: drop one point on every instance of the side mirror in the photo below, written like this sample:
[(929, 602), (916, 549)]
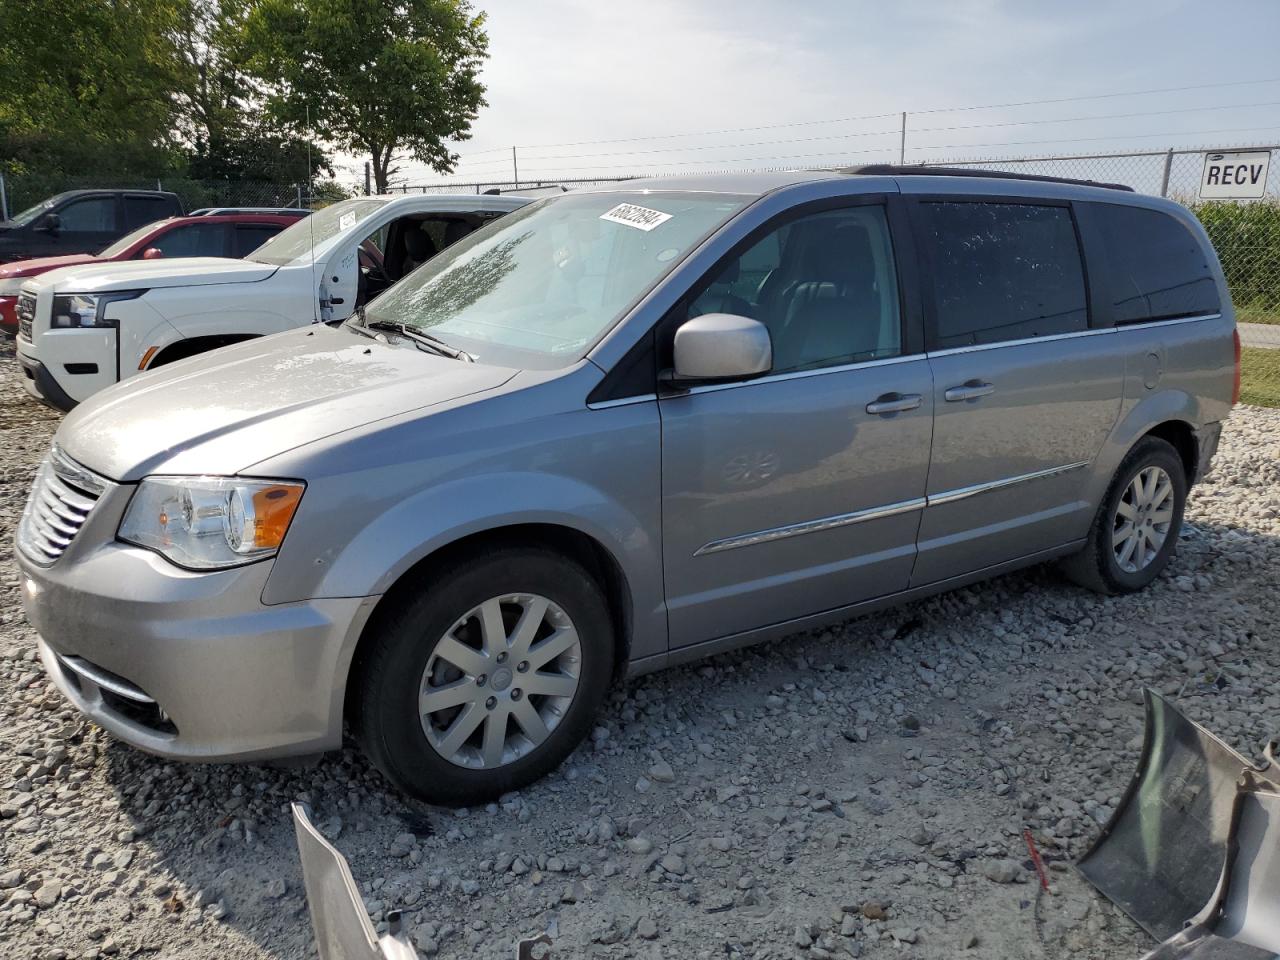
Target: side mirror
[(52, 224), (152, 253), (721, 346)]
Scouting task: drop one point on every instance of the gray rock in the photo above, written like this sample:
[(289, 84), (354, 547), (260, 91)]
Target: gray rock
[(1002, 871), (661, 772), (674, 863), (47, 894)]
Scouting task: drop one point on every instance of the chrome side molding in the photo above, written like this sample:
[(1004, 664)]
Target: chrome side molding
[(877, 513)]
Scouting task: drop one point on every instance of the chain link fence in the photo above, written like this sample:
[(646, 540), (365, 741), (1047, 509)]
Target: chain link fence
[(1246, 234), (17, 193)]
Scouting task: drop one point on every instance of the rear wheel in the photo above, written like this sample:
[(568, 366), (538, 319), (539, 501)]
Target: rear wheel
[(488, 680), (1135, 532)]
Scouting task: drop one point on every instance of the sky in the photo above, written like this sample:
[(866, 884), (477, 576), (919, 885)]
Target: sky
[(662, 78)]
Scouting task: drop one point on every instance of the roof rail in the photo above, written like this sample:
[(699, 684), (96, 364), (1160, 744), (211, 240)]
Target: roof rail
[(893, 170)]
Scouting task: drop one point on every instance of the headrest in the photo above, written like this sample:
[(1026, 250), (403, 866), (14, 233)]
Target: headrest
[(418, 245), (838, 253), (454, 231)]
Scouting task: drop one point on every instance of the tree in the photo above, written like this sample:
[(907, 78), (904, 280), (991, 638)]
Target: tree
[(383, 78), (87, 85), (230, 137)]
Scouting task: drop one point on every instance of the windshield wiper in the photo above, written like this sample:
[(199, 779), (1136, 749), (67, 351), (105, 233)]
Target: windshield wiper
[(434, 344)]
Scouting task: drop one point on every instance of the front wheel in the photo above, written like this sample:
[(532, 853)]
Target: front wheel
[(487, 680), (1135, 532)]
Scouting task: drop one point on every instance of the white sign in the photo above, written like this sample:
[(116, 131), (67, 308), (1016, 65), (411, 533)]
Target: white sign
[(346, 220), (1235, 176), (642, 218)]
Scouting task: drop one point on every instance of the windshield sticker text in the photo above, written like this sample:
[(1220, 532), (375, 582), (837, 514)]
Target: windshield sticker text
[(346, 220), (642, 218)]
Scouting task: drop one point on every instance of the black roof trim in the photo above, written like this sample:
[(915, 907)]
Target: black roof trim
[(893, 170)]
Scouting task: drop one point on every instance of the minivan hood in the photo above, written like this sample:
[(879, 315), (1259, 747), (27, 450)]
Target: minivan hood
[(224, 411), (149, 274), (31, 268)]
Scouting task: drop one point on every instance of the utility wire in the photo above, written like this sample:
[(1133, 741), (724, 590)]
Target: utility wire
[(879, 133), (934, 146), (881, 116), (1125, 136)]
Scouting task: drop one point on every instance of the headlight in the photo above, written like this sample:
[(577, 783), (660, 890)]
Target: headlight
[(86, 309), (211, 522), (11, 288)]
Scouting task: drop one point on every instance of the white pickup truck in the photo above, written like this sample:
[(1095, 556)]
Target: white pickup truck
[(83, 328)]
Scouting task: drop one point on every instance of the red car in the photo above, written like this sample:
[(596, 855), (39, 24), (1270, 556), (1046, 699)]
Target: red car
[(234, 235)]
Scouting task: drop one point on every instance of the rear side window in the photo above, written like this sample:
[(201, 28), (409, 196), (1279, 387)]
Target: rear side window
[(143, 210), (250, 238), (1159, 269), (1002, 271)]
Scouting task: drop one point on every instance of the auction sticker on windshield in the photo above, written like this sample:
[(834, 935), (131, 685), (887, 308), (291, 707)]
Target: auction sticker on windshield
[(631, 215), (346, 220)]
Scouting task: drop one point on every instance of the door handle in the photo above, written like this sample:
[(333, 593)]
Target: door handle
[(894, 403), (336, 300), (969, 390)]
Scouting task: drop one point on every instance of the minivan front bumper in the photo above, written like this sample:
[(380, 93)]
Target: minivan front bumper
[(193, 666)]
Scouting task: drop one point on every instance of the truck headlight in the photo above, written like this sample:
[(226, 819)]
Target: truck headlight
[(11, 288), (207, 523), (71, 310)]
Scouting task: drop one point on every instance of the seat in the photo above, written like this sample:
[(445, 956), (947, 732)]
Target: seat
[(418, 249), (832, 311), (454, 231)]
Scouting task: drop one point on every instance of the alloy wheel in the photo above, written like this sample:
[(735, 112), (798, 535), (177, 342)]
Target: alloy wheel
[(1142, 519), (499, 681)]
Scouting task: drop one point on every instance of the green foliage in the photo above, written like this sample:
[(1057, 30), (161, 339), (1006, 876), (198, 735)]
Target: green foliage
[(230, 137), (1247, 238), (87, 84), (120, 92), (372, 76)]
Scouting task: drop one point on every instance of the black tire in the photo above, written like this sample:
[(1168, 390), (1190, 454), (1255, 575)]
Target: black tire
[(1096, 566), (393, 659)]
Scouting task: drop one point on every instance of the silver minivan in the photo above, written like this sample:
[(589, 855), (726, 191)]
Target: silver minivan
[(616, 430)]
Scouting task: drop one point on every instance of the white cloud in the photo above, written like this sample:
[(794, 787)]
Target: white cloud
[(566, 71)]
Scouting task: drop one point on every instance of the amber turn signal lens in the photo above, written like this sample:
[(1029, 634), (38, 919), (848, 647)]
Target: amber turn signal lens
[(273, 510)]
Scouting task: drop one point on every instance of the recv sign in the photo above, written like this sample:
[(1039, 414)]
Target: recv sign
[(1235, 176)]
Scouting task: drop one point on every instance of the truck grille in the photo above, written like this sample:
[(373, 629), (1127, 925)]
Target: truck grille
[(61, 498), (26, 311)]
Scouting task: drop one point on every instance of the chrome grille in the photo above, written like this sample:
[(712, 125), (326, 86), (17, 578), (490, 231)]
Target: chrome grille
[(26, 311), (61, 498)]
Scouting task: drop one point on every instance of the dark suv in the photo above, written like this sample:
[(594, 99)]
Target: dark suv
[(82, 221)]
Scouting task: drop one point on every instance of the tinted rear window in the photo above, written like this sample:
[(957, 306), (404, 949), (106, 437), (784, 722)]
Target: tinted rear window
[(1003, 271), (1159, 269), (249, 238), (139, 211)]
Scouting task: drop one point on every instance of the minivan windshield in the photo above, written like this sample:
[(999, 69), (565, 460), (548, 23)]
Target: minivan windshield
[(539, 286), (296, 242)]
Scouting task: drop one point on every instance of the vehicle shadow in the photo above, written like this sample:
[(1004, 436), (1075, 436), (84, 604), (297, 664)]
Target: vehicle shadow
[(953, 665)]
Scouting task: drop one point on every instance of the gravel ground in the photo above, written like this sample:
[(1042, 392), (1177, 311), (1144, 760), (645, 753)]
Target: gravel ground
[(854, 791)]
